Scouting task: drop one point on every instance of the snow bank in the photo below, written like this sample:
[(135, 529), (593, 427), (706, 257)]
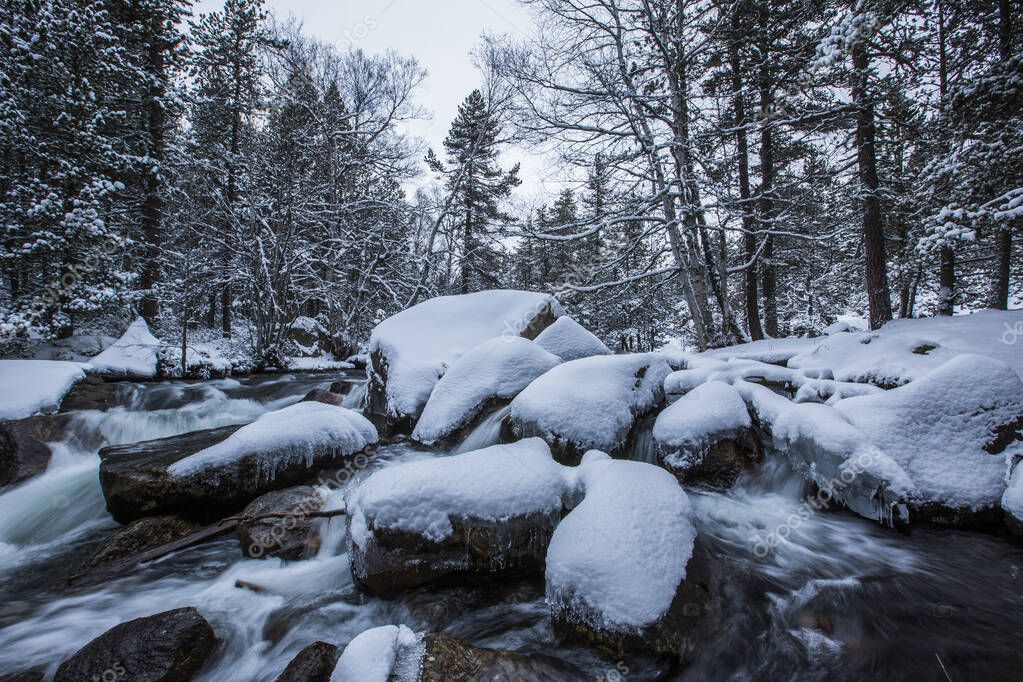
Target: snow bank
[(410, 351), (492, 484), (689, 427), (132, 356), (498, 368), (28, 387), (569, 340), (321, 363), (391, 653), (617, 560), (593, 402), (937, 427), (295, 433), (874, 357)]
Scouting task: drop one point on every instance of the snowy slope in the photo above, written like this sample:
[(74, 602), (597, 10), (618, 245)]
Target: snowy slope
[(133, 356), (416, 346), (28, 387)]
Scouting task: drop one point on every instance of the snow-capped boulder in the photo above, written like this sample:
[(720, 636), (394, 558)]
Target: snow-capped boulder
[(497, 369), (948, 431), (308, 337), (707, 435), (394, 653), (591, 403), (133, 356), (410, 352), (206, 473), (482, 512), (29, 387), (620, 570), (569, 340), (383, 654)]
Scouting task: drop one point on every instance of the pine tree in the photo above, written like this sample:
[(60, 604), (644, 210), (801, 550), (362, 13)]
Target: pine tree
[(477, 184)]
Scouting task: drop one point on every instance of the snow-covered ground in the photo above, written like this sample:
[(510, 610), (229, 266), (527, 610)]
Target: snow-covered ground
[(133, 356), (29, 387)]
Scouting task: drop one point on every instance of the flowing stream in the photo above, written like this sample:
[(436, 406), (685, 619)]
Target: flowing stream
[(813, 594)]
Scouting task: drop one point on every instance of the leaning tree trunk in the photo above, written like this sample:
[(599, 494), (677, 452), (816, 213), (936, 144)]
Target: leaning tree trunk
[(878, 297)]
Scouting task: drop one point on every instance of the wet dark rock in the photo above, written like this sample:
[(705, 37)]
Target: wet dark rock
[(690, 619), (23, 445), (136, 480), (26, 676), (166, 647), (320, 396), (290, 537), (720, 465), (138, 537), (393, 561), (92, 393), (315, 663), (446, 659)]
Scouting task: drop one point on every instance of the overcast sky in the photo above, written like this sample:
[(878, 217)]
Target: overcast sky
[(439, 33)]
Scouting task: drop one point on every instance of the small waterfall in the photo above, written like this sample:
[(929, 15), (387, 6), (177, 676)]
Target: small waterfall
[(356, 398), (486, 433)]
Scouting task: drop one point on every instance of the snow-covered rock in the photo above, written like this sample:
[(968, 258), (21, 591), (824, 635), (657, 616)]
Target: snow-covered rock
[(569, 340), (308, 337), (496, 369), (944, 429), (390, 653), (707, 435), (476, 513), (410, 351), (28, 387), (591, 403), (206, 473), (618, 565), (133, 356)]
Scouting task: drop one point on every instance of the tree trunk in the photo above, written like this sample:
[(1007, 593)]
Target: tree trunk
[(947, 267), (1003, 239), (152, 204), (878, 297), (767, 267)]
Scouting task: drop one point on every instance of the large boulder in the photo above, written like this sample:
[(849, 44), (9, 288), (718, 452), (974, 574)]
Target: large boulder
[(648, 588), (166, 647), (477, 514), (93, 393), (707, 436), (29, 387), (411, 351), (591, 403), (133, 356), (308, 337), (569, 340), (137, 537), (315, 663), (208, 473), (496, 370), (290, 535)]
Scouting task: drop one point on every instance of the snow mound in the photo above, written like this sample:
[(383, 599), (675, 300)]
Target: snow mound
[(494, 483), (937, 428), (410, 351), (877, 358), (295, 433), (498, 368), (708, 414), (592, 402), (617, 559), (132, 356), (28, 387), (391, 653), (569, 340)]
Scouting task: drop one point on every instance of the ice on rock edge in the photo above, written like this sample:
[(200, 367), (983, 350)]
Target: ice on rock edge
[(569, 340), (294, 433), (418, 344), (134, 355), (498, 368), (618, 558), (391, 653), (491, 484), (591, 402), (28, 387), (709, 413)]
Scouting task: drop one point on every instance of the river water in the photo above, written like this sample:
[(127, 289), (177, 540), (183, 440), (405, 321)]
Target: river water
[(813, 594)]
